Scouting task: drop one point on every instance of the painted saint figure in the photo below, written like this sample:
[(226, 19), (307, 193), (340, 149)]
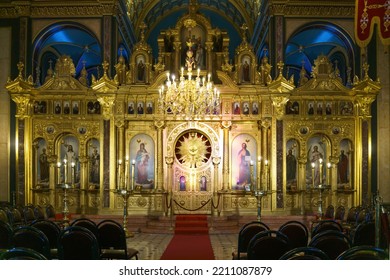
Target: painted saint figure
[(142, 164), (244, 175), (342, 168), (291, 166), (141, 71), (95, 165), (71, 157), (245, 72), (44, 166), (315, 158)]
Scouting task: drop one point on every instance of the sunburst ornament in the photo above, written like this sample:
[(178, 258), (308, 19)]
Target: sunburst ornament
[(193, 149)]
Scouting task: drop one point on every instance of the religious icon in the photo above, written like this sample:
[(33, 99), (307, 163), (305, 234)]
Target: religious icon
[(141, 69), (94, 167), (75, 107), (142, 153), (57, 107), (236, 108), (130, 108)]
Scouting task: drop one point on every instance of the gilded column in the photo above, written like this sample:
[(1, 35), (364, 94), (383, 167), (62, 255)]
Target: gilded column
[(209, 54), (265, 125), (177, 48), (169, 163), (225, 169), (120, 124), (160, 160), (83, 183), (302, 160), (52, 178), (20, 90), (216, 162)]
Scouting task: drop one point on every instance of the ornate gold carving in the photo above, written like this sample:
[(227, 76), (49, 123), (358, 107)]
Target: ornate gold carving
[(20, 85), (281, 84), (314, 9), (169, 160), (279, 103), (107, 103), (63, 78), (365, 104), (67, 10), (104, 84), (22, 102), (193, 149)]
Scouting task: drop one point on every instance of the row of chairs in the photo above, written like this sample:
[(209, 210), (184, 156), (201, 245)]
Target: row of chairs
[(107, 240), (257, 241), (354, 217), (353, 253), (295, 231), (25, 214)]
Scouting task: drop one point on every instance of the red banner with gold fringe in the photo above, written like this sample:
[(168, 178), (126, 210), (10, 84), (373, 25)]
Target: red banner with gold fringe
[(367, 14)]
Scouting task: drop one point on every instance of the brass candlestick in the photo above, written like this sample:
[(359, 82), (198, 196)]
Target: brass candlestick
[(259, 194), (125, 194)]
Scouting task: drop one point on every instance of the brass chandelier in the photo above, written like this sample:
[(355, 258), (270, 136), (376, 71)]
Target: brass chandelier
[(192, 98)]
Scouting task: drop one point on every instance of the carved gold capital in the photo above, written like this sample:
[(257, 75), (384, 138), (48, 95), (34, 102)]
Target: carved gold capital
[(279, 102), (22, 103), (169, 160), (226, 124), (159, 124), (265, 123), (216, 160), (120, 123), (107, 103), (365, 105)]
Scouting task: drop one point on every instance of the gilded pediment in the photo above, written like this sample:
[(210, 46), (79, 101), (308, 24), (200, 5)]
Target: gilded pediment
[(19, 84), (366, 85), (104, 84), (62, 77), (325, 78), (63, 83), (281, 84)]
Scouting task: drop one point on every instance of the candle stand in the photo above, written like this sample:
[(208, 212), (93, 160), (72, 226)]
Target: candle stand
[(320, 189), (259, 194), (65, 210), (125, 194)]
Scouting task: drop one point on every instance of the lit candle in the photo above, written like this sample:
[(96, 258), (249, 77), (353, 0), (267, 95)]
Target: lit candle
[(72, 175), (58, 172), (328, 177), (258, 172), (313, 165), (126, 172), (320, 182), (132, 174), (252, 174), (119, 173), (65, 171), (266, 174)]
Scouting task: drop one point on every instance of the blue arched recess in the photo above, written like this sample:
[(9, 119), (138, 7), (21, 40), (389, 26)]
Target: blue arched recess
[(322, 38), (69, 39)]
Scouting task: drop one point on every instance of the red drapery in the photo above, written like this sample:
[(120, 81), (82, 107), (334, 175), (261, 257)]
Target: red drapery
[(369, 13)]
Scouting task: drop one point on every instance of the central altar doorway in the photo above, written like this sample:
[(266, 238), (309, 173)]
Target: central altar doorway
[(194, 168)]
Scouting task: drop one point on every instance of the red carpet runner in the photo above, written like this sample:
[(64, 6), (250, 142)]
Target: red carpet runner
[(191, 240)]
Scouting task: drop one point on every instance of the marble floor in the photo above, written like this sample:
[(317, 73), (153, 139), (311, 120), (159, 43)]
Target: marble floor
[(152, 245)]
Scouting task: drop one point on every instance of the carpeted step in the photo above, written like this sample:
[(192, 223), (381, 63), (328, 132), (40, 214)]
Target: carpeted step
[(191, 230), (191, 224), (191, 218)]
